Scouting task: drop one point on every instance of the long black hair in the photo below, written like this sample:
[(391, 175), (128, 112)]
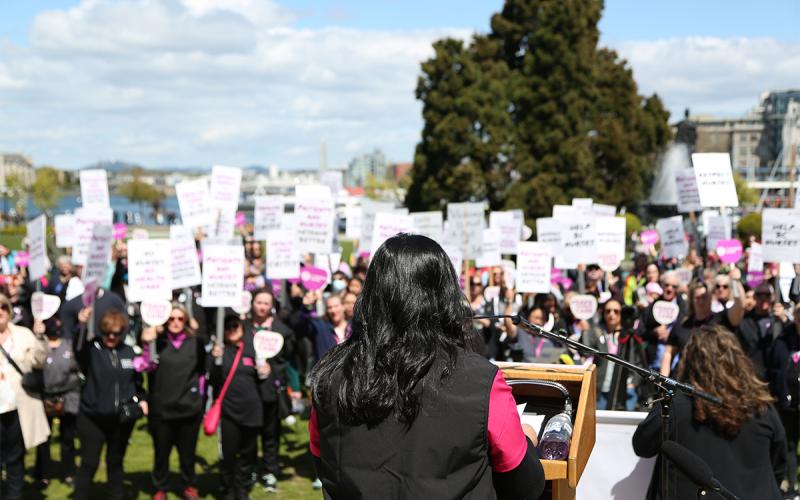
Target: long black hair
[(411, 316)]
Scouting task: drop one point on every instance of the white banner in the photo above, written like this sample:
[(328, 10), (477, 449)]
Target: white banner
[(780, 235), (283, 259), (148, 269), (465, 222), (194, 201), (353, 222), (672, 237), (578, 241), (333, 179), (225, 187), (718, 228), (755, 258), (533, 267), (267, 215), (490, 249), (185, 263), (610, 241), (94, 188), (37, 251), (98, 253), (369, 209), (548, 230), (714, 176), (428, 224), (223, 275), (314, 225), (85, 220), (686, 187), (456, 257), (65, 230), (387, 225), (510, 229)]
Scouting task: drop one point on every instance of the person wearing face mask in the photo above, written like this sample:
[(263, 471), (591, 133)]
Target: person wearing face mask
[(339, 282), (22, 419), (176, 383), (62, 393), (112, 399), (273, 386)]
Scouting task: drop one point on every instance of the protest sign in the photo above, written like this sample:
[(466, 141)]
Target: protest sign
[(267, 344), (140, 234), (649, 237), (313, 278), (604, 210), (21, 258), (510, 229), (240, 220), (155, 312), (369, 209), (98, 253), (315, 218), (578, 241), (490, 249), (548, 230), (665, 312), (224, 224), (85, 220), (684, 275), (610, 233), (37, 243), (755, 258), (65, 230), (719, 228), (564, 211), (673, 238), (465, 222), (184, 262), (353, 221), (583, 205), (715, 186), (223, 277), (245, 304), (194, 202), (306, 191), (509, 273), (456, 257), (729, 251), (686, 186), (583, 306), (533, 267), (120, 231), (267, 215), (94, 188), (519, 216), (44, 306), (283, 259), (387, 225), (780, 235), (333, 179), (428, 224), (148, 268), (225, 187)]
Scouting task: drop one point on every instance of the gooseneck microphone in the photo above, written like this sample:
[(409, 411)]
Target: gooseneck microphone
[(695, 468)]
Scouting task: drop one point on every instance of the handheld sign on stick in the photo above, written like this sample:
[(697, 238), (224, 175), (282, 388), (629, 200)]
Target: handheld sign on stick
[(155, 313)]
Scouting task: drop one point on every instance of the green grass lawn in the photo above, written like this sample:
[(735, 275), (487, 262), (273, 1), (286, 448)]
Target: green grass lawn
[(295, 461)]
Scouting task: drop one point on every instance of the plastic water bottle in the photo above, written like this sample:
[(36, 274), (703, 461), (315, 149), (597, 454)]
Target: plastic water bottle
[(555, 440)]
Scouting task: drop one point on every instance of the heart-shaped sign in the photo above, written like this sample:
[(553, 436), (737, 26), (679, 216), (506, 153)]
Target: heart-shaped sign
[(267, 343), (526, 233), (649, 237), (22, 259), (120, 231), (665, 313), (313, 278), (491, 292), (608, 263), (551, 322), (583, 306), (155, 312), (729, 251), (44, 306), (247, 301), (755, 278)]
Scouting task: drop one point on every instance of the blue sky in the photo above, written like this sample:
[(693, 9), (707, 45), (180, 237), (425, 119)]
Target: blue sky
[(197, 82)]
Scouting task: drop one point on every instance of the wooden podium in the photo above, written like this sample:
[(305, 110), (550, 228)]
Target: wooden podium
[(562, 476)]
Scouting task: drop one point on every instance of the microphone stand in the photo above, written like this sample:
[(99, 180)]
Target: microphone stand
[(666, 386)]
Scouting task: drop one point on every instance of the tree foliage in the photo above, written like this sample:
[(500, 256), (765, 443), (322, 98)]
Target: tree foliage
[(534, 114), (749, 225), (17, 193), (138, 191), (747, 195), (46, 188)]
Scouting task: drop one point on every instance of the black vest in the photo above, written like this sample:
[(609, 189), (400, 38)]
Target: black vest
[(175, 386), (444, 454)]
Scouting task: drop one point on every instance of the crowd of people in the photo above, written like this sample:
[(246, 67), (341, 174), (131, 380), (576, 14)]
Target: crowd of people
[(103, 368)]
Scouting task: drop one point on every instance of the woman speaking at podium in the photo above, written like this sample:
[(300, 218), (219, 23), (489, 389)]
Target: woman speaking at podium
[(403, 408)]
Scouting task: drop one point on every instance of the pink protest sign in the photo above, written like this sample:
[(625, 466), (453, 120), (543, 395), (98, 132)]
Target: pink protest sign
[(649, 237), (754, 278), (729, 251), (89, 293), (313, 278), (276, 288), (240, 220), (120, 231), (21, 259)]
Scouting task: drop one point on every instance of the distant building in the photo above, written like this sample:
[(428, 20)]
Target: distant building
[(401, 170), (16, 165), (361, 167)]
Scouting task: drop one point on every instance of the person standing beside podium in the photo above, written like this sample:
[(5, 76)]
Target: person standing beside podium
[(402, 408)]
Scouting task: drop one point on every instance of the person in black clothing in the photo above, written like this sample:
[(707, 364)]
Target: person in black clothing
[(784, 382), (176, 400), (273, 387), (742, 440), (759, 328), (74, 315), (109, 401), (242, 411)]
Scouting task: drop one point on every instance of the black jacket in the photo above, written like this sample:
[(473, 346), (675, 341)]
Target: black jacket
[(276, 382), (175, 383), (70, 309), (111, 379), (242, 402)]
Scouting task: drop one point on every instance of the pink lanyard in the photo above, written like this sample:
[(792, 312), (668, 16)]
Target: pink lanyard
[(539, 347)]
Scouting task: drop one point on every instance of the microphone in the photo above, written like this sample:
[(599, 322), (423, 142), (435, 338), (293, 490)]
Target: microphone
[(513, 317), (695, 468)]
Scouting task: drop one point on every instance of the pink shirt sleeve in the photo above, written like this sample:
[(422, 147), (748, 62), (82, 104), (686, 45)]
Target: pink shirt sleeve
[(507, 442), (313, 433)]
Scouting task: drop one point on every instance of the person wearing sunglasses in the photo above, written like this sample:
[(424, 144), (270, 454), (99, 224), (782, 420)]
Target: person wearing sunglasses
[(23, 423), (176, 385), (759, 327), (722, 293), (112, 399), (655, 334)]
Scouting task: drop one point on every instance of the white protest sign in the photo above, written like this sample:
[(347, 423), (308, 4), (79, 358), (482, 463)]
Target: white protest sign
[(428, 224), (465, 222), (304, 191), (37, 252), (510, 229), (353, 222), (155, 312), (780, 234), (267, 215), (245, 304), (490, 249), (533, 267), (564, 211), (578, 241), (583, 306), (184, 262), (583, 205), (283, 259), (194, 201), (456, 257), (140, 234), (94, 188), (65, 230), (223, 275), (714, 176), (604, 210), (387, 225), (369, 209), (684, 275), (719, 228), (509, 273), (314, 221), (225, 187), (98, 253), (548, 230), (44, 306), (686, 187), (610, 232), (85, 220), (333, 179), (149, 272), (672, 236), (267, 344), (755, 259), (665, 313)]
